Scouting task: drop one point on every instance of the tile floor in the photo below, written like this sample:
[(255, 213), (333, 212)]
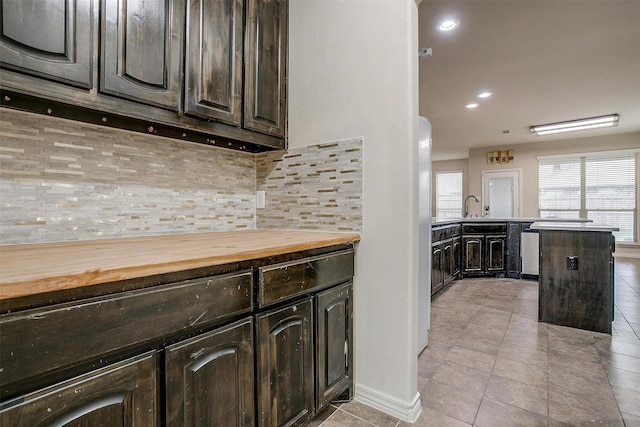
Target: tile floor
[(490, 363)]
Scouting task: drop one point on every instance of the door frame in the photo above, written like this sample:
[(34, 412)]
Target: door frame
[(517, 188)]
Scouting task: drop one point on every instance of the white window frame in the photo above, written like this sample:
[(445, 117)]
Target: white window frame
[(582, 158), (437, 208)]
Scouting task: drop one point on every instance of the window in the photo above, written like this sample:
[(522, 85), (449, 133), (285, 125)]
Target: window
[(448, 194), (602, 187)]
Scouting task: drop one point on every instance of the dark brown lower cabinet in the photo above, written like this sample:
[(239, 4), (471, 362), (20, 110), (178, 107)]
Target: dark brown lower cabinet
[(207, 352), (483, 255), (209, 378), (285, 377), (334, 344), (123, 394), (472, 247)]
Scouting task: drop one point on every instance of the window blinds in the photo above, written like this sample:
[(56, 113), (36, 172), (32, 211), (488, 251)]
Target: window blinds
[(602, 187)]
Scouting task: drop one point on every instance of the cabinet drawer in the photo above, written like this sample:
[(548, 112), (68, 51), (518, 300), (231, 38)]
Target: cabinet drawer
[(45, 340), (437, 234), (498, 228), (287, 280)]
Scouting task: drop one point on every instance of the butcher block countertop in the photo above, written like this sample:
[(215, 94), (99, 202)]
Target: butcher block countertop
[(37, 268)]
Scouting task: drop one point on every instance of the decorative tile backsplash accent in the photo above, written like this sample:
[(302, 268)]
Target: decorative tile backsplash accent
[(66, 180), (312, 188)]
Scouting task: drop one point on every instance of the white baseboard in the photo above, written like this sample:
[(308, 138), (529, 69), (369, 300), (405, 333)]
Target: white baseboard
[(406, 411)]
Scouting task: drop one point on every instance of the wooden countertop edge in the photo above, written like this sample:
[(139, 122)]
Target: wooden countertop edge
[(88, 277)]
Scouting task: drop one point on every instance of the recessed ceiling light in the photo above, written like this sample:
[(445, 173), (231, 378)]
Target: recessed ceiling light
[(485, 94), (448, 25), (471, 106)]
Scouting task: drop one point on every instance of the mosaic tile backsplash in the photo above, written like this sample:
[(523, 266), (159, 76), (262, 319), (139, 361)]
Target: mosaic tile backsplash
[(313, 188), (64, 180)]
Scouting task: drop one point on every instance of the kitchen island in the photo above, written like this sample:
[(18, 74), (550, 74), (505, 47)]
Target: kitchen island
[(576, 283), (233, 328)]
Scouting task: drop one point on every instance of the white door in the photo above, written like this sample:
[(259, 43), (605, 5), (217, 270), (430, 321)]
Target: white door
[(501, 193)]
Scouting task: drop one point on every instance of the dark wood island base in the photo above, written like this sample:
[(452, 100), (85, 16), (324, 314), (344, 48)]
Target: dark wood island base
[(576, 275)]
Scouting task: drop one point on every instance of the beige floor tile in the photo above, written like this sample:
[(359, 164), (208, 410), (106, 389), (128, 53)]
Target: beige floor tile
[(430, 418), (524, 355), (522, 372), (625, 379), (514, 393), (582, 408), (461, 377), (369, 414), (452, 401), (344, 419), (479, 361), (492, 414)]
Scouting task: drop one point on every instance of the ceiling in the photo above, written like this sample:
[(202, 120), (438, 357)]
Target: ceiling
[(544, 61)]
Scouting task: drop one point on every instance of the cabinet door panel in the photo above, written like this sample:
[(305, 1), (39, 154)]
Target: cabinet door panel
[(48, 38), (123, 394), (264, 97), (210, 378), (472, 247), (285, 366), (213, 72), (437, 271), (495, 253), (141, 50), (456, 257), (334, 341), (447, 260)]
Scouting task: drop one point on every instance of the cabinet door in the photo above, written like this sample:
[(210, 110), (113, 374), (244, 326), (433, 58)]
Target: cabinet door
[(285, 374), (141, 50), (213, 74), (495, 256), (209, 378), (437, 269), (472, 254), (123, 394), (447, 261), (48, 38), (457, 248), (265, 66), (513, 250), (334, 341)]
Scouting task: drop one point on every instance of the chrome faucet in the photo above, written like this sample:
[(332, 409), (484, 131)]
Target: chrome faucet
[(466, 204)]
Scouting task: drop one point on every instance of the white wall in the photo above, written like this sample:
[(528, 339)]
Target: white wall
[(353, 72), (525, 158)]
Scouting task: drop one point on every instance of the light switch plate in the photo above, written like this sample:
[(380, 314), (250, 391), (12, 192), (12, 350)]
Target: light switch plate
[(260, 199)]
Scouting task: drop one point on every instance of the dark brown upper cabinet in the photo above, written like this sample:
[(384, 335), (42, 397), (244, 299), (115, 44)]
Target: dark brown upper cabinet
[(50, 39), (141, 50), (207, 71), (213, 67), (265, 64)]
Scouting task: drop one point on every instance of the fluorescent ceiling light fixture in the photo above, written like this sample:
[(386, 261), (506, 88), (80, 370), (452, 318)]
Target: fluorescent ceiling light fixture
[(484, 94), (448, 25), (471, 106), (573, 125)]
